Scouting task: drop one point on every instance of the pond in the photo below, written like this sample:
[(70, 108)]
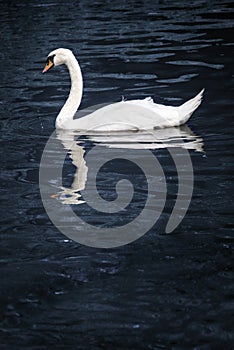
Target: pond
[(163, 288)]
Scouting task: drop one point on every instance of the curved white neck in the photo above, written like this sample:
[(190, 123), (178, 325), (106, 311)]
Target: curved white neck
[(69, 109)]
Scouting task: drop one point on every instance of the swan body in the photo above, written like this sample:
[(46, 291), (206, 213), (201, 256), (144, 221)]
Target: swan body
[(121, 116)]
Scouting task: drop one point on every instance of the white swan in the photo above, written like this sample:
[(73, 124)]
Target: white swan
[(120, 116)]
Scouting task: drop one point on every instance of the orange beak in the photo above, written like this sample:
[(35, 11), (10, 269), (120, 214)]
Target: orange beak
[(56, 195), (48, 66)]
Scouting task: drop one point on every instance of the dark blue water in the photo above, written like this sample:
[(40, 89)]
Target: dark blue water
[(161, 291)]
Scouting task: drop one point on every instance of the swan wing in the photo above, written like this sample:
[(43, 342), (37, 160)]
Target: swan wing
[(127, 115), (136, 115)]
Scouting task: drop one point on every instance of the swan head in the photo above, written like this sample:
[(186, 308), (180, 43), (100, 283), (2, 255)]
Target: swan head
[(57, 58)]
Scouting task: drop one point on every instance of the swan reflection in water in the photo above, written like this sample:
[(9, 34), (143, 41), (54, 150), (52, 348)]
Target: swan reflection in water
[(75, 143)]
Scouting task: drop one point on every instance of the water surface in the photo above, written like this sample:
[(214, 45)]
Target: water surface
[(162, 291)]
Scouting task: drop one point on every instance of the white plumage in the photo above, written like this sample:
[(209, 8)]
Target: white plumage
[(121, 116)]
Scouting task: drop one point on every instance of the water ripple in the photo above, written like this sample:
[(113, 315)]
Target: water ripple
[(196, 63)]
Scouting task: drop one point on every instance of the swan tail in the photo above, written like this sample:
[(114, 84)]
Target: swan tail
[(186, 109)]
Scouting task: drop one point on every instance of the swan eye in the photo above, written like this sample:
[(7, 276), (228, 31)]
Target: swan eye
[(50, 60), (49, 63)]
